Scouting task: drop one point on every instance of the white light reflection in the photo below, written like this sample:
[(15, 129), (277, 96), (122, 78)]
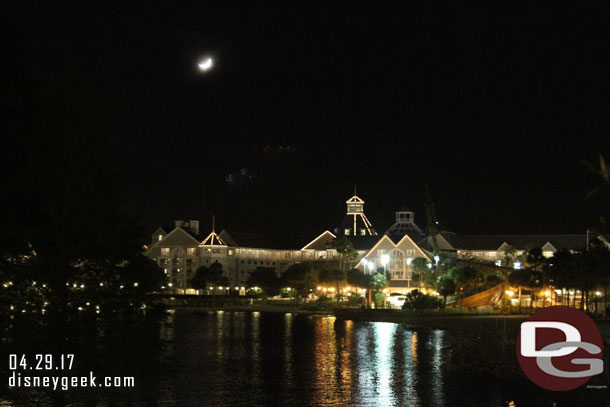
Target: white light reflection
[(384, 341)]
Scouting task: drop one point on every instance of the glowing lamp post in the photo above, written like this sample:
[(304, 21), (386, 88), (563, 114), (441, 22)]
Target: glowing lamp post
[(385, 259)]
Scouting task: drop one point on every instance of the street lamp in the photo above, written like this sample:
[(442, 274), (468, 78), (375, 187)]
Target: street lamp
[(385, 259)]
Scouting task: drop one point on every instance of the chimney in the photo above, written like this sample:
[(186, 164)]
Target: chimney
[(194, 224), (179, 223)]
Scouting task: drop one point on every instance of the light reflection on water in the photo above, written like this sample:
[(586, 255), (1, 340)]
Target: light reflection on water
[(290, 359), (252, 358)]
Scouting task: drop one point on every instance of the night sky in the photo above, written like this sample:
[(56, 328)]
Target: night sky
[(496, 106)]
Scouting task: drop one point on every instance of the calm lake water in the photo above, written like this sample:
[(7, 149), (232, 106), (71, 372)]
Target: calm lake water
[(242, 358), (272, 359)]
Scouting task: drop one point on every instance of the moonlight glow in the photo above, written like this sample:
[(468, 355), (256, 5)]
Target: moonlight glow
[(205, 64)]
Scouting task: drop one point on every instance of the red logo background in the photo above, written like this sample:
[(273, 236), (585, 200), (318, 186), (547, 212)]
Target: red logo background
[(588, 332)]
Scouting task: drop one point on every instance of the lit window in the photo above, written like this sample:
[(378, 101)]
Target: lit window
[(160, 237), (362, 232), (165, 251), (347, 232), (230, 252), (190, 251)]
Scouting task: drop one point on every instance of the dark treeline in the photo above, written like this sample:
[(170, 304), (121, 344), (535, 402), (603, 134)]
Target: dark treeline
[(72, 276)]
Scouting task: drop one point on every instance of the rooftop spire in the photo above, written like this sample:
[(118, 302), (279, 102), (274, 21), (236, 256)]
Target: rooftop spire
[(213, 239)]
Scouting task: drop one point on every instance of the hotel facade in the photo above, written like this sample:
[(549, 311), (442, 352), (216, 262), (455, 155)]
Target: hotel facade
[(181, 249)]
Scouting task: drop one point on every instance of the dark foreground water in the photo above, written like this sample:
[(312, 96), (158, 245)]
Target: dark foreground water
[(267, 359)]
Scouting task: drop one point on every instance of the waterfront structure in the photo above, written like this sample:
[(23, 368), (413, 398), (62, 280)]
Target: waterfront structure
[(181, 250), (355, 222), (404, 224), (498, 248), (397, 258)]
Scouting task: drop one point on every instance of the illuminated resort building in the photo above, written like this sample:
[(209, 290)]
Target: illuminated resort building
[(181, 249)]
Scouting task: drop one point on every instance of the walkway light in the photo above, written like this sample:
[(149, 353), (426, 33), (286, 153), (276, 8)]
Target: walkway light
[(385, 259)]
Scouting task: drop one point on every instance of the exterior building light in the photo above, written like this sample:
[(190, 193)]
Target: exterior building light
[(429, 266), (371, 266), (385, 259), (135, 284), (517, 265), (437, 259), (510, 293), (499, 263), (409, 261), (170, 284), (547, 293), (365, 262), (598, 293)]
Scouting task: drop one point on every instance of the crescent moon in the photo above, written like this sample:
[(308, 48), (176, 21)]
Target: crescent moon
[(205, 65)]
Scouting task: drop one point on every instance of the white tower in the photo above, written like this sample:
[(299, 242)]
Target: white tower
[(356, 222)]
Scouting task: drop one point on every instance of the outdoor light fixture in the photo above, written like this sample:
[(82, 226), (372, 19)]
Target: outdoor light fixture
[(510, 293), (437, 259), (409, 261), (371, 266), (429, 266), (517, 265), (385, 259)]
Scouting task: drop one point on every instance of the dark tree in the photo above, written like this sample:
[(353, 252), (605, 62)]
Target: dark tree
[(445, 287), (299, 277), (267, 279)]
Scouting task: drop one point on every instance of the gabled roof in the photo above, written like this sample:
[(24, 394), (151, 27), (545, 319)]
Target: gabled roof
[(355, 199), (159, 231), (404, 241), (178, 237), (519, 242), (320, 242), (213, 240)]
